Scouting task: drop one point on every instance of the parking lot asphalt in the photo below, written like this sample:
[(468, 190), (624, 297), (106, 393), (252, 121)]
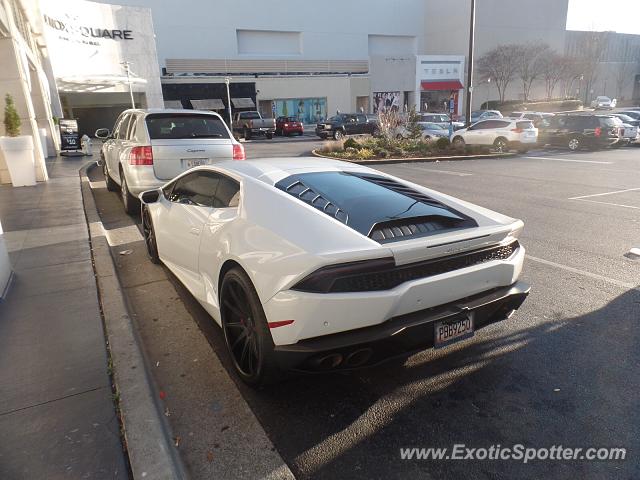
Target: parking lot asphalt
[(562, 371)]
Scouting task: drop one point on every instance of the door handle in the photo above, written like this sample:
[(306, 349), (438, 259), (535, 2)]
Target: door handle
[(194, 231)]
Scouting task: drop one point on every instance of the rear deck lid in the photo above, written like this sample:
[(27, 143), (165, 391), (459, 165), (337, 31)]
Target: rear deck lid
[(376, 206), (184, 140)]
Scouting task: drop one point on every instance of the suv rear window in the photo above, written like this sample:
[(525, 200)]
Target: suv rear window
[(185, 125), (249, 115), (610, 121), (524, 125)]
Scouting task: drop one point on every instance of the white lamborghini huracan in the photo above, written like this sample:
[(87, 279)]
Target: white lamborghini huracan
[(313, 265)]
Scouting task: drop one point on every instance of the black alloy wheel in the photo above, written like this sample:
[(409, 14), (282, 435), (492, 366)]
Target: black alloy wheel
[(245, 330), (500, 145), (149, 236)]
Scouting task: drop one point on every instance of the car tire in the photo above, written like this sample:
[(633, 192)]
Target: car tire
[(376, 132), (149, 236), (269, 135), (245, 330), (112, 186), (338, 135), (574, 143), (458, 142), (522, 151), (501, 145), (247, 134), (131, 204)]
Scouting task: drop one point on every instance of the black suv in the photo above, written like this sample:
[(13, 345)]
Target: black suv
[(347, 124), (576, 131)]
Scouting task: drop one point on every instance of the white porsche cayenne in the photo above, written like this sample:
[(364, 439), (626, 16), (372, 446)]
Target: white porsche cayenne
[(314, 265)]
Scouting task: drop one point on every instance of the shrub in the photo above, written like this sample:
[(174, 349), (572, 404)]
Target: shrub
[(11, 118), (364, 154), (352, 143), (442, 143), (332, 146)]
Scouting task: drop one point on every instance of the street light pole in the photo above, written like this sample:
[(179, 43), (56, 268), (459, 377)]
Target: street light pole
[(127, 67), (226, 81), (472, 25)]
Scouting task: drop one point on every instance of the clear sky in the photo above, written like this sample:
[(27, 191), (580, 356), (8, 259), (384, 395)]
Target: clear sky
[(622, 16)]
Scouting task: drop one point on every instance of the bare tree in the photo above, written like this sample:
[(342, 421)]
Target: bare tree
[(499, 64), (593, 48), (624, 74), (554, 68), (530, 64)]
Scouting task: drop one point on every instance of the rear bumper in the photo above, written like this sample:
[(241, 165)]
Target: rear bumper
[(399, 336)]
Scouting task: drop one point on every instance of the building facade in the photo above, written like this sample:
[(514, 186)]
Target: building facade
[(92, 46), (24, 75), (345, 56)]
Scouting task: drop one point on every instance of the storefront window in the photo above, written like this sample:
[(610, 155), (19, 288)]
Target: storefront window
[(306, 110)]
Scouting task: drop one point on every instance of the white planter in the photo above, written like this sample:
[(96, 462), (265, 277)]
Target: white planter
[(18, 153), (5, 267)]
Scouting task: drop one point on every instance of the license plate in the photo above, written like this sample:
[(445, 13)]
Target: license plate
[(194, 162), (451, 331)]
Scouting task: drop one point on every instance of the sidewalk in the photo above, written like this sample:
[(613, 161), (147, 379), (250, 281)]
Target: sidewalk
[(56, 411)]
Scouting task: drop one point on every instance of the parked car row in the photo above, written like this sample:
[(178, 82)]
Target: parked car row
[(574, 131)]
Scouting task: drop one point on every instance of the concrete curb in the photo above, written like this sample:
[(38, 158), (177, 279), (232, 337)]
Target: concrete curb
[(382, 161), (151, 453)]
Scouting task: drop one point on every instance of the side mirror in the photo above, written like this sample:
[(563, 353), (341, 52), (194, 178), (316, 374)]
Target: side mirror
[(102, 133), (150, 196)]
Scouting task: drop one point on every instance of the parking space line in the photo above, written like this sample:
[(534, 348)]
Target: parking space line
[(568, 160), (607, 203), (444, 172), (605, 193), (584, 273)]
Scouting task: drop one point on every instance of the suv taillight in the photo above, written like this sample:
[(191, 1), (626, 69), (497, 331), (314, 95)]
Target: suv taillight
[(141, 156), (238, 152), (598, 132), (517, 130)]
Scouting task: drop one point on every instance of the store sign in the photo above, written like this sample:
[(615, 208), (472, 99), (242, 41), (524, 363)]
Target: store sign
[(433, 70), (89, 39), (73, 29)]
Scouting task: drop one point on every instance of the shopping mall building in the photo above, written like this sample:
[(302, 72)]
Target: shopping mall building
[(90, 60)]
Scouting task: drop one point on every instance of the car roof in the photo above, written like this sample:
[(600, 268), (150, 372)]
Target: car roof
[(148, 111), (272, 170)]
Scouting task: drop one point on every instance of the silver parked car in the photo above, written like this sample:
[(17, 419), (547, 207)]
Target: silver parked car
[(147, 148), (441, 119)]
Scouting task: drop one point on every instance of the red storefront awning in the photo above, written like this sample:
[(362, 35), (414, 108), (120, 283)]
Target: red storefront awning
[(442, 85)]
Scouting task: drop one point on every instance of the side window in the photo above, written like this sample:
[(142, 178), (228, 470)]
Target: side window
[(197, 188), (121, 134), (132, 127), (482, 125), (227, 193), (362, 119), (500, 124)]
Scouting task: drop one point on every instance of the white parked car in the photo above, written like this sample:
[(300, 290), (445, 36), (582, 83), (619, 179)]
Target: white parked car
[(311, 264), (146, 148), (603, 103), (502, 134), (629, 132)]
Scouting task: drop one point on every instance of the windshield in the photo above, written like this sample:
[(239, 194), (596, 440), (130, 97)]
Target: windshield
[(185, 125)]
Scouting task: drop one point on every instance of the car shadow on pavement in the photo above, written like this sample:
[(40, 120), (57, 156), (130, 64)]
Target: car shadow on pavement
[(547, 385)]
